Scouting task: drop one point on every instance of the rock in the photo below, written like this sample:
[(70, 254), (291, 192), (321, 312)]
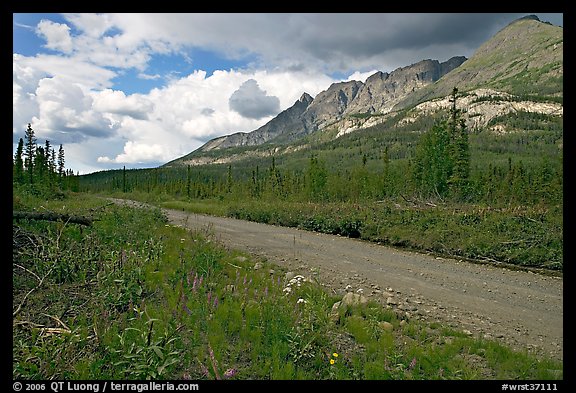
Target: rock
[(336, 306), (271, 271), (335, 313), (289, 276), (240, 259), (387, 326), (258, 266), (352, 299), (390, 301)]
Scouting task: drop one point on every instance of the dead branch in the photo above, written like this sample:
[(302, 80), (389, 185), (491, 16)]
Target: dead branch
[(406, 199), (52, 217), (48, 331), (57, 320), (30, 292), (30, 324), (29, 271), (22, 238)]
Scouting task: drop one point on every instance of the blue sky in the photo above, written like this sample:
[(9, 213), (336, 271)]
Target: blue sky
[(142, 89)]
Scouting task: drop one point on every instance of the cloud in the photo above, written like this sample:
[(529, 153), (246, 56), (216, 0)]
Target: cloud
[(135, 152), (252, 102), (75, 71), (92, 25), (361, 76), (65, 113), (70, 101), (57, 35), (331, 42), (145, 76), (115, 101)]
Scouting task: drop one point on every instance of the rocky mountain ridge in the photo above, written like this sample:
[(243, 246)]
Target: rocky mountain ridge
[(520, 69), (378, 95)]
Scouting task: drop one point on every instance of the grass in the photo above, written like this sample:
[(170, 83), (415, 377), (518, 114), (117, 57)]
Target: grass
[(133, 297)]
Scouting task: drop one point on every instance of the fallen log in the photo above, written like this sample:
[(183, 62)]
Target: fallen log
[(52, 217)]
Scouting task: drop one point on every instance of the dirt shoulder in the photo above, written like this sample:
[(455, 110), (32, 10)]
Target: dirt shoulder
[(523, 309)]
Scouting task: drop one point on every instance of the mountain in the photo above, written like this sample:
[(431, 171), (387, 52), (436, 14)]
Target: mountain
[(379, 94), (519, 69), (286, 122), (524, 58)]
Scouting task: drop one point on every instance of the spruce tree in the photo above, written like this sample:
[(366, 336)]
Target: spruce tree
[(19, 163), (442, 161), (40, 163), (459, 150), (53, 164), (29, 152), (188, 181), (61, 161), (432, 163), (47, 161), (317, 178)]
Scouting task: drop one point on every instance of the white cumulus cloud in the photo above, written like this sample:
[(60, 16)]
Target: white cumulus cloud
[(57, 35), (115, 101), (361, 76), (65, 113), (135, 152)]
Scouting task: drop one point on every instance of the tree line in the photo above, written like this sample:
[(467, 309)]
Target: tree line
[(41, 167)]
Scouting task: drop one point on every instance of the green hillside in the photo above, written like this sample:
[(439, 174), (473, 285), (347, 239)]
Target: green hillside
[(524, 58)]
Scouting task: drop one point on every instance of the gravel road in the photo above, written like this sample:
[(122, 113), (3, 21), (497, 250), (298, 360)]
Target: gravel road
[(523, 309)]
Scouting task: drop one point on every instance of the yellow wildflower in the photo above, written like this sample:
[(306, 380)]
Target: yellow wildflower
[(332, 361)]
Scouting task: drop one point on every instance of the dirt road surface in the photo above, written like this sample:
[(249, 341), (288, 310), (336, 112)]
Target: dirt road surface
[(523, 309)]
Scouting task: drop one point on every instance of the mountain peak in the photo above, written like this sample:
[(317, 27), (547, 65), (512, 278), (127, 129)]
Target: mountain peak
[(306, 98), (529, 17)]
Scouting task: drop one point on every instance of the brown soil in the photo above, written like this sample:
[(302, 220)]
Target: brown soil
[(524, 309)]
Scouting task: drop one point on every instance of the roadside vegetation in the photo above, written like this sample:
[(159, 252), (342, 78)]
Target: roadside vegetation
[(132, 297)]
